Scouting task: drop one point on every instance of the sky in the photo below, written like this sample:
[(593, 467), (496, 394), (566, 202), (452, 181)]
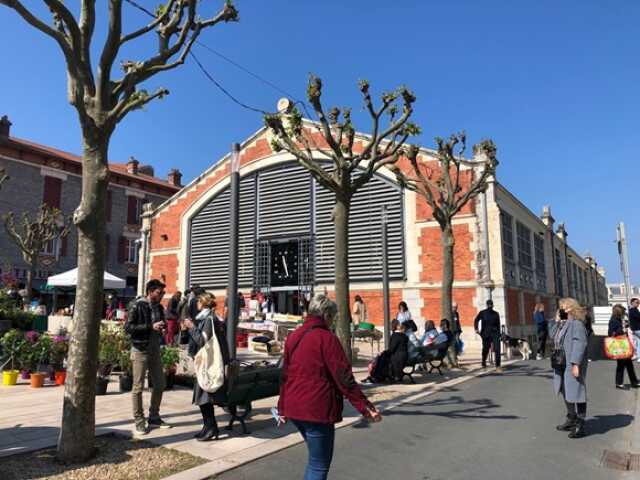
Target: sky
[(555, 84)]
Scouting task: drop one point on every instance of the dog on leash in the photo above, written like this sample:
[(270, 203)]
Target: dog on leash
[(519, 345)]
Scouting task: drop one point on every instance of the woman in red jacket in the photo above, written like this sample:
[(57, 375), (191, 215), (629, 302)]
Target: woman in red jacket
[(316, 375)]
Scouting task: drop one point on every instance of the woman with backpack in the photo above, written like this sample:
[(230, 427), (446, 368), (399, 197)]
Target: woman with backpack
[(569, 363), (207, 325), (316, 376)]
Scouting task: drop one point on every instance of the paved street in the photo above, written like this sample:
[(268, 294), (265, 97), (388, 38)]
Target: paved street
[(494, 427)]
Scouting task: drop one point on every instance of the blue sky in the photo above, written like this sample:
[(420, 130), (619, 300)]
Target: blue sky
[(555, 84)]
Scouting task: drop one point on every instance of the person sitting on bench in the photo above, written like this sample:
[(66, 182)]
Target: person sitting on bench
[(415, 344), (430, 333), (398, 350)]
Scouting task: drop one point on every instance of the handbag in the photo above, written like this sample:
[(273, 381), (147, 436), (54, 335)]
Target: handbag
[(209, 364), (618, 347), (558, 357)]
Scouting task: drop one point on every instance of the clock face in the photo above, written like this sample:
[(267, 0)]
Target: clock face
[(284, 264)]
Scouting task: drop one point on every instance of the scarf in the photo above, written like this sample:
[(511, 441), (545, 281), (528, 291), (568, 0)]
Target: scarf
[(560, 333), (203, 314)]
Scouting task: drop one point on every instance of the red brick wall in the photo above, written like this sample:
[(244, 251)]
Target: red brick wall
[(513, 307), (464, 297), (165, 268), (375, 306), (431, 256)]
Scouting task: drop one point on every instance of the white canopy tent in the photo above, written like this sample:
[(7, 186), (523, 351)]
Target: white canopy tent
[(70, 279)]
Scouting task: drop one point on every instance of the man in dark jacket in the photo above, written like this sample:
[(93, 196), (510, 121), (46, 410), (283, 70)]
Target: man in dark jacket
[(490, 333), (145, 324), (634, 324)]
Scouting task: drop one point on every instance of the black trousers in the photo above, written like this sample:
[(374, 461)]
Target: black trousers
[(542, 341), (628, 364), (208, 417), (486, 346), (579, 412)]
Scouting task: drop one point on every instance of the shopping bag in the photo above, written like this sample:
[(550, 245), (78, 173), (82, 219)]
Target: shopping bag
[(618, 348)]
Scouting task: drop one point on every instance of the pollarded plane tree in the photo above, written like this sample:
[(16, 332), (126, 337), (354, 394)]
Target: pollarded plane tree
[(31, 235), (102, 100), (448, 183), (353, 160)]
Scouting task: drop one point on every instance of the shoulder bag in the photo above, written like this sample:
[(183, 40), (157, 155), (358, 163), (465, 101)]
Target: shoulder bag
[(558, 356), (209, 364)]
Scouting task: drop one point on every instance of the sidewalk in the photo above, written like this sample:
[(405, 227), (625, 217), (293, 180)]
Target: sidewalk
[(30, 419)]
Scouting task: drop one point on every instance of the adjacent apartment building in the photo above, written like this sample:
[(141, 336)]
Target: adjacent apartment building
[(41, 174), (503, 250)]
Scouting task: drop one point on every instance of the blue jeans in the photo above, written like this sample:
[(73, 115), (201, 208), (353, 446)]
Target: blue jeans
[(319, 439)]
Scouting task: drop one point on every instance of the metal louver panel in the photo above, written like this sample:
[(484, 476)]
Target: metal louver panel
[(365, 240), (209, 250), (284, 195)]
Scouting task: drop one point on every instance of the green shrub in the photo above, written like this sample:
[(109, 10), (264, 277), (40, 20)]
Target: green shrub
[(12, 343), (170, 357)]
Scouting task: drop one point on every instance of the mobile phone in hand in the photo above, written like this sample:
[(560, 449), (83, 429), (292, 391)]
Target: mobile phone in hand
[(276, 416)]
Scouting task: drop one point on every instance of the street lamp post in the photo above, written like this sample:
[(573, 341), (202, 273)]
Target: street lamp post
[(232, 288), (385, 278)]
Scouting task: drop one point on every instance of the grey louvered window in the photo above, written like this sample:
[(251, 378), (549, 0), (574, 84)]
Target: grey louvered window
[(209, 239)]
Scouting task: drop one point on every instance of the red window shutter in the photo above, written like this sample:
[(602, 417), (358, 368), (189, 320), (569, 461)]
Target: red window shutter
[(132, 210), (52, 192), (107, 247), (122, 249), (109, 204)]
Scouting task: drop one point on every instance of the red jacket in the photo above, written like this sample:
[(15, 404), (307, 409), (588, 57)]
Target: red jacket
[(316, 375)]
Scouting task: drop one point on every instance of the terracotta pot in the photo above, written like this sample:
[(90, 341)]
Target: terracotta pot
[(60, 377), (37, 380)]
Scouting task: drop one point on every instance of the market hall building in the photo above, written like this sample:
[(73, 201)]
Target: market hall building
[(503, 250)]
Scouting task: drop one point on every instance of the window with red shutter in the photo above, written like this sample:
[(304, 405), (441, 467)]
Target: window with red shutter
[(52, 192), (132, 210), (109, 205)]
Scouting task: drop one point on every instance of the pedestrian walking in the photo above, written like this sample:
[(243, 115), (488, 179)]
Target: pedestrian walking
[(542, 327), (489, 332), (316, 375), (616, 328), (634, 325), (403, 312), (569, 362), (208, 324), (145, 324), (456, 326), (359, 311), (172, 318)]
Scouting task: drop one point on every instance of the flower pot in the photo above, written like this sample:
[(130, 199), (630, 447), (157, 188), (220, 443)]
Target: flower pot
[(101, 385), (9, 377), (126, 383), (24, 374), (52, 374), (60, 377), (37, 380)]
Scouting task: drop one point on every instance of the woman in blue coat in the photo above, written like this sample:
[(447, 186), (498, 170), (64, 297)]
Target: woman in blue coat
[(570, 334)]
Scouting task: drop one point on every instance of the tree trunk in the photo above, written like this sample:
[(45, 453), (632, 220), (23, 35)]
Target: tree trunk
[(29, 286), (77, 432), (446, 296), (341, 224)]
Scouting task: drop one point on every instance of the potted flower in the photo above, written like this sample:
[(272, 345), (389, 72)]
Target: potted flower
[(59, 350), (108, 355), (40, 355), (170, 357), (12, 342)]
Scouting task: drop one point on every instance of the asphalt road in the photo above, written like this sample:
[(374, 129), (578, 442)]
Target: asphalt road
[(495, 427)]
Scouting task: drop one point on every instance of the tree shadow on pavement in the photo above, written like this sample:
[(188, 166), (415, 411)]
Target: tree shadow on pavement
[(523, 371), (602, 424), (480, 409)]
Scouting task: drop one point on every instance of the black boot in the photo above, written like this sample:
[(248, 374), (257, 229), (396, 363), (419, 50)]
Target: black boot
[(201, 432), (578, 429), (568, 425), (211, 432)]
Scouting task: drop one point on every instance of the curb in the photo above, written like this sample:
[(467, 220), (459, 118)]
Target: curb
[(216, 467)]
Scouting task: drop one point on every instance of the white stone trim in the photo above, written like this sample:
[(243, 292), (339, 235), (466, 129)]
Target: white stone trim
[(50, 172), (129, 192)]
